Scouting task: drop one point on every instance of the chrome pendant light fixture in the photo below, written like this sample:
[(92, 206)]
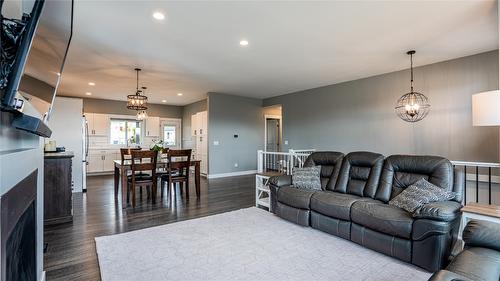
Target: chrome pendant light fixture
[(137, 101), (413, 106)]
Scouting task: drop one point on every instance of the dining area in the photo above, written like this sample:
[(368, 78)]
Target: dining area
[(162, 171)]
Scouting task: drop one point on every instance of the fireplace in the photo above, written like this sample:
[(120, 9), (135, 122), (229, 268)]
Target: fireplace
[(18, 231)]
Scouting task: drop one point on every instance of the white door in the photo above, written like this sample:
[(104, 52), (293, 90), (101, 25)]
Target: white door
[(171, 133)]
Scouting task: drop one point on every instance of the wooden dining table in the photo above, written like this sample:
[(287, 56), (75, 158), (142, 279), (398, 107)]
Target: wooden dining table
[(121, 170)]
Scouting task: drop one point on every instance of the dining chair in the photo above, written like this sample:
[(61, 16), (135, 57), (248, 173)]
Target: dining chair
[(179, 161), (126, 153), (143, 168)]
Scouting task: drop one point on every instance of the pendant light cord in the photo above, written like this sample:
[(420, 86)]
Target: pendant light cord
[(411, 71), (137, 82)]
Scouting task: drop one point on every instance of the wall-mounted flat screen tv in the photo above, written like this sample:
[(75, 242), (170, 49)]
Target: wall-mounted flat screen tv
[(34, 39)]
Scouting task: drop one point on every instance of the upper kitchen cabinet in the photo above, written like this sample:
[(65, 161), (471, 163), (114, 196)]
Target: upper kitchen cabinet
[(199, 123), (98, 124), (153, 127)]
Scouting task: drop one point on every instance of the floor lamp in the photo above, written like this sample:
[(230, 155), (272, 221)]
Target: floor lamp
[(486, 112), (486, 109)]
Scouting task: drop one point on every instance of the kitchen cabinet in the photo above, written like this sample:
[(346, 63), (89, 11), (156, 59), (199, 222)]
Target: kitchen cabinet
[(194, 124), (199, 131), (94, 163), (153, 127), (98, 124), (102, 161)]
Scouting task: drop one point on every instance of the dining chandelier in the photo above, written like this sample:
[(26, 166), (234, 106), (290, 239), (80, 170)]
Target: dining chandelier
[(139, 100), (413, 106), (141, 114)]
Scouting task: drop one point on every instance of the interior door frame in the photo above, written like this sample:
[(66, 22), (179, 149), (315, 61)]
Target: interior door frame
[(178, 130), (270, 116)]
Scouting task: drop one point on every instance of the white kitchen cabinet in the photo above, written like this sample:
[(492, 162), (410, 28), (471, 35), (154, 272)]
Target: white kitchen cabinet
[(199, 128), (98, 124), (108, 161), (94, 163), (101, 161), (153, 127), (203, 123), (194, 124)]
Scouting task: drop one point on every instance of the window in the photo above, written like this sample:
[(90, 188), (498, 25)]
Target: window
[(169, 135), (123, 131)]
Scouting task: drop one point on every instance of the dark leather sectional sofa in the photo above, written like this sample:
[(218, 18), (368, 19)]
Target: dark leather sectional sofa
[(480, 259), (353, 204)]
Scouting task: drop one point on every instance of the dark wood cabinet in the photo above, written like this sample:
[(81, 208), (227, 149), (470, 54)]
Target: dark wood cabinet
[(58, 193)]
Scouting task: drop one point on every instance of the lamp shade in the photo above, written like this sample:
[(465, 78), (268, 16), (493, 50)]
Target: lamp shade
[(486, 109)]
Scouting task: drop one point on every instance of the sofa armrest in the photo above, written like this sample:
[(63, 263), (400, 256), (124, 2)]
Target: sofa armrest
[(440, 211), (483, 234), (280, 181), (445, 275), (274, 184)]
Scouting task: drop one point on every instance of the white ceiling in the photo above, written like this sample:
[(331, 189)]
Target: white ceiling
[(292, 45)]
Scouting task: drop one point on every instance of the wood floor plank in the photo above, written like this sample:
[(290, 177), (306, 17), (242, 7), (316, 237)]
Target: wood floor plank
[(71, 253)]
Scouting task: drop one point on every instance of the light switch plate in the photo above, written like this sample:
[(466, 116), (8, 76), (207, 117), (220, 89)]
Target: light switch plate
[(216, 142), (286, 142)]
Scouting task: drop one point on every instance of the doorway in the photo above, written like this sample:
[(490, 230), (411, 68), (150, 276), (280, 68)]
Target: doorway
[(272, 133), (171, 133)]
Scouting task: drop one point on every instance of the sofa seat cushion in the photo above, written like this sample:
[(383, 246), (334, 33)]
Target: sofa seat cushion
[(334, 204), (383, 218), (294, 197)]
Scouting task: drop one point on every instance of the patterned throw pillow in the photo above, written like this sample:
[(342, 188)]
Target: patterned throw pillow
[(307, 178), (420, 193)]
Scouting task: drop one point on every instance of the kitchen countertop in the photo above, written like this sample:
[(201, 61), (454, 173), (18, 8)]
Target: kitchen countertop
[(66, 154)]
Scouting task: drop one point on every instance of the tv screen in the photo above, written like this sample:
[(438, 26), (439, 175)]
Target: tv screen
[(42, 49)]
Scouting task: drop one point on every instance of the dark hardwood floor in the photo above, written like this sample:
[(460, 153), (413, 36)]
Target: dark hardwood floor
[(71, 253)]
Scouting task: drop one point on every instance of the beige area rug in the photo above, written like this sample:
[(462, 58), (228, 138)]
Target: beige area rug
[(248, 244)]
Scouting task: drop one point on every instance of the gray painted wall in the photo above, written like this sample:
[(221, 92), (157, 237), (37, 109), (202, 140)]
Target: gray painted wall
[(229, 115), (359, 115), (120, 107), (187, 111)]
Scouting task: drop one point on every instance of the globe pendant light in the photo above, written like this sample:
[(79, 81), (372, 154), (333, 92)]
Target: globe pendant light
[(413, 106), (137, 101)]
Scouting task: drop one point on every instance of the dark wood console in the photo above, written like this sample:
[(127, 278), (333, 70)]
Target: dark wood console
[(58, 193)]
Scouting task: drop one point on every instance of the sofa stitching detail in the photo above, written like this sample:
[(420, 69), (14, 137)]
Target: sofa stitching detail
[(392, 246)]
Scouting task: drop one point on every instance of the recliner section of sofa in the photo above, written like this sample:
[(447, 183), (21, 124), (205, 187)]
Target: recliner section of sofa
[(355, 207), (480, 259), (357, 181), (294, 204)]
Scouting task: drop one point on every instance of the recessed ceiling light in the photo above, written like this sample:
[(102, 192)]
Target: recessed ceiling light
[(179, 94), (159, 15), (243, 42), (88, 93), (163, 100), (91, 83)]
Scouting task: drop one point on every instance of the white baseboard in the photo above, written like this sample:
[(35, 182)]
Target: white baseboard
[(233, 174)]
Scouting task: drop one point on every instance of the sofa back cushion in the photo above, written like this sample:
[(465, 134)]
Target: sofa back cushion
[(330, 163), (360, 173), (401, 171)]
